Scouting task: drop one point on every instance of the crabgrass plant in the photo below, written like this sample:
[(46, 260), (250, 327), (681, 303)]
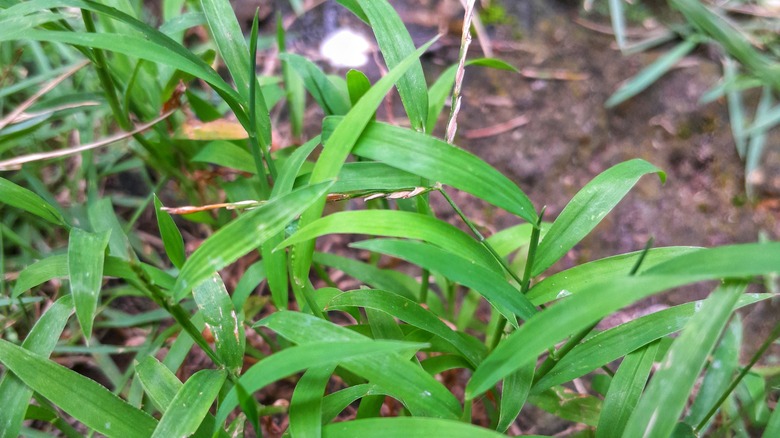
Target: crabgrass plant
[(481, 330), (742, 35)]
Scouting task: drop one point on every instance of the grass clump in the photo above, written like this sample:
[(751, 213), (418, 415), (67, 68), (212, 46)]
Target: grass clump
[(480, 329)]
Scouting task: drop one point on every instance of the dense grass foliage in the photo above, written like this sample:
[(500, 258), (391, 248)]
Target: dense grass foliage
[(229, 302)]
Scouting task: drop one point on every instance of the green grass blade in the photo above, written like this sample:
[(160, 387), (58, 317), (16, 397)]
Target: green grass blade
[(159, 383), (666, 395), (731, 261), (493, 286), (440, 90), (407, 427), (618, 18), (14, 394), (232, 46), (333, 404), (755, 147), (293, 85), (337, 149), (411, 313), (357, 85), (317, 84), (395, 43), (19, 197), (625, 390), (306, 404), (86, 255), (244, 234), (171, 237), (565, 283), (651, 73), (569, 406), (312, 354), (588, 207), (384, 279), (436, 160), (765, 121), (223, 322), (420, 393), (91, 404), (514, 394), (394, 223), (619, 341), (370, 176), (226, 154), (191, 404), (722, 369), (736, 108)]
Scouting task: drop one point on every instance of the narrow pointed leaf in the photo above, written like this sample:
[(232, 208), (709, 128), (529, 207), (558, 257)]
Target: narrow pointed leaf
[(14, 394), (191, 404), (306, 404), (159, 383), (312, 354), (19, 197), (436, 160), (384, 279), (317, 84), (92, 404), (625, 390), (221, 319), (86, 255), (588, 207), (514, 394), (666, 395), (493, 286), (172, 240), (242, 235), (357, 85), (395, 223), (408, 427)]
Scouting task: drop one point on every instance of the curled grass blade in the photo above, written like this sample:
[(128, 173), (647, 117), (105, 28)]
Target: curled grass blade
[(244, 234), (665, 397), (436, 160), (588, 207), (411, 313), (395, 223), (223, 322), (92, 404), (493, 286), (14, 394), (312, 354), (191, 404), (86, 255)]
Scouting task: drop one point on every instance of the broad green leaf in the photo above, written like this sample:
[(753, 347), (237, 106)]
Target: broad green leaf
[(172, 240), (408, 427), (651, 73), (572, 280), (227, 154), (86, 255), (493, 286), (588, 207), (19, 197), (420, 393), (667, 394), (312, 354), (367, 176), (384, 279), (513, 395), (191, 404), (730, 261), (617, 342), (159, 383), (305, 409), (436, 160), (395, 223), (153, 46), (337, 149), (232, 46), (14, 394), (625, 390), (773, 426), (395, 43), (724, 365), (411, 313), (223, 322), (242, 235), (317, 84), (437, 94), (92, 404)]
